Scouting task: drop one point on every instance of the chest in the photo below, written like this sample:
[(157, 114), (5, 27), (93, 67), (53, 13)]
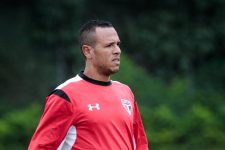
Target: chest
[(103, 107)]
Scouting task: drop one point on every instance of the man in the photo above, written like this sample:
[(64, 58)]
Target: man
[(89, 111)]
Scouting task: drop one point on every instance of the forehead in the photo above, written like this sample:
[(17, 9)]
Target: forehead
[(106, 34)]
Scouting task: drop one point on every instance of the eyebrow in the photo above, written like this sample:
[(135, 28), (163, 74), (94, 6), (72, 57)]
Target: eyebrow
[(116, 42)]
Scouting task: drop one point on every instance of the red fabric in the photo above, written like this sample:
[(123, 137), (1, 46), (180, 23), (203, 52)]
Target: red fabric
[(110, 126), (139, 133), (54, 123)]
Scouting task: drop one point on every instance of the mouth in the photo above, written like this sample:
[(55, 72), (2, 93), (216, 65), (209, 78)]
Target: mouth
[(116, 60)]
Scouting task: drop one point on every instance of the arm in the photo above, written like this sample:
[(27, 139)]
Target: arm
[(139, 133), (54, 124)]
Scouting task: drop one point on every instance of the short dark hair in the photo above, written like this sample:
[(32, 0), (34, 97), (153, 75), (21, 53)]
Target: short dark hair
[(88, 29)]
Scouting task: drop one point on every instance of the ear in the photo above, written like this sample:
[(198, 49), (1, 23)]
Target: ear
[(87, 51)]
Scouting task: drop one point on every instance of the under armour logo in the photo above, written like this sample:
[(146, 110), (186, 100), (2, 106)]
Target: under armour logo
[(90, 107)]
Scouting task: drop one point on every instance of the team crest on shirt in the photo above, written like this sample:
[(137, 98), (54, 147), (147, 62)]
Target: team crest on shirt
[(127, 105)]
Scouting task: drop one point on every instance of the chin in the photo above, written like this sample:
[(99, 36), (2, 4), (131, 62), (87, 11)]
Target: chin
[(107, 71), (111, 71), (115, 70)]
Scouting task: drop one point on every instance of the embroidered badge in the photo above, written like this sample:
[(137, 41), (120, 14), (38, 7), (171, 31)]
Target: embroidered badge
[(127, 105)]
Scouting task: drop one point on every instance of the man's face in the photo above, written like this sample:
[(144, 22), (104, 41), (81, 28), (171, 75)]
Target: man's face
[(106, 52)]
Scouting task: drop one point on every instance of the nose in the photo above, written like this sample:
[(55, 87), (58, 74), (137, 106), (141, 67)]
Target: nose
[(116, 50)]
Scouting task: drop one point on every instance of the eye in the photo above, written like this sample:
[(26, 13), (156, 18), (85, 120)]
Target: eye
[(109, 45), (113, 44)]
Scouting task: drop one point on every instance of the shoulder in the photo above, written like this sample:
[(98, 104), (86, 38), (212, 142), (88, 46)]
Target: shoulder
[(64, 89), (69, 82), (117, 83), (124, 89), (121, 85)]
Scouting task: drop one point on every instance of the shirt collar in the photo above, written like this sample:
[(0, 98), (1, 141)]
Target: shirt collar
[(86, 78)]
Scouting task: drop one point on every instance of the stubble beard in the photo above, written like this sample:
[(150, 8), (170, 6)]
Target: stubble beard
[(108, 71)]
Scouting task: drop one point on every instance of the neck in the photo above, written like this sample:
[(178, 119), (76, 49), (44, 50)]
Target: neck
[(94, 74)]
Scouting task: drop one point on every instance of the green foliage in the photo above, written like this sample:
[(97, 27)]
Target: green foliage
[(177, 71), (150, 90), (197, 129), (16, 127), (177, 116), (174, 116)]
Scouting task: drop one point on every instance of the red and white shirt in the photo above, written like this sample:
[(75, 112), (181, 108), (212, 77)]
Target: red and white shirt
[(86, 114)]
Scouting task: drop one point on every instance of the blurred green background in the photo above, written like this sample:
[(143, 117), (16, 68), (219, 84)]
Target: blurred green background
[(173, 59)]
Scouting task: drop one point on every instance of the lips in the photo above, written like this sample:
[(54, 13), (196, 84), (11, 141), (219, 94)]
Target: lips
[(116, 60)]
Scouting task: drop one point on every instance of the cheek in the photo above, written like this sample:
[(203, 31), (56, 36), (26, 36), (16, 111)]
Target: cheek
[(103, 58), (104, 61), (98, 60)]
